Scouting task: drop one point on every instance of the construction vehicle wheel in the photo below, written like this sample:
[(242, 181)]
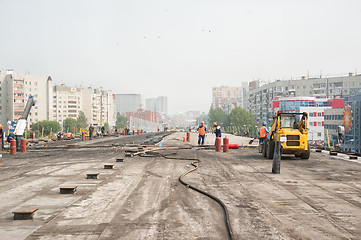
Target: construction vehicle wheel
[(271, 149), (264, 149), (306, 155)]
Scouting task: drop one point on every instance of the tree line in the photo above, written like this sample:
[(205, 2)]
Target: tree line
[(46, 128), (238, 121)]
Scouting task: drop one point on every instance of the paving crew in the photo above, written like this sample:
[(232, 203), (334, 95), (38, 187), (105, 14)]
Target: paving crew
[(202, 130), (217, 130), (262, 133), (2, 137), (91, 129), (69, 135)]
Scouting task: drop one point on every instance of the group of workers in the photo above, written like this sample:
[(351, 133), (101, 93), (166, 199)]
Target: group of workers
[(202, 130)]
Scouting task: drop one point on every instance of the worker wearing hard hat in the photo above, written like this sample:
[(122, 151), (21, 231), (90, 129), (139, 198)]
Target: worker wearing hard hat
[(2, 137), (262, 133), (202, 130), (91, 130), (217, 130)]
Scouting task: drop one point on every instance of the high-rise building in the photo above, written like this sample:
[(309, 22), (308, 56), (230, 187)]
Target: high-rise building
[(151, 104), (159, 104), (127, 103), (67, 103), (98, 106), (15, 90), (227, 98)]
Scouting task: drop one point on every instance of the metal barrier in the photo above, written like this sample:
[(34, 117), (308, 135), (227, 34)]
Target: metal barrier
[(141, 124)]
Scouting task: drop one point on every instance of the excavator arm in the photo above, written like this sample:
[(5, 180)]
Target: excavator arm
[(21, 124)]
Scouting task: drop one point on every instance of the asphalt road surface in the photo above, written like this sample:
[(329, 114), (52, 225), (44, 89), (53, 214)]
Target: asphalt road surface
[(141, 198)]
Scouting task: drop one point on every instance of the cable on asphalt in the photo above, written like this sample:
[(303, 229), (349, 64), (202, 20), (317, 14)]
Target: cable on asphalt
[(194, 164)]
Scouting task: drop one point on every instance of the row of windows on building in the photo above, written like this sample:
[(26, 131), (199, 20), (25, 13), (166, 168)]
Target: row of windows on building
[(70, 111), (315, 124), (318, 86), (316, 114), (69, 106), (331, 126), (333, 117), (313, 114), (296, 105), (65, 116)]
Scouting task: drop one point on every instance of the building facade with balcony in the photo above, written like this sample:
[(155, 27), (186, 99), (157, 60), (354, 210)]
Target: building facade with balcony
[(15, 90), (260, 99), (98, 106), (67, 103)]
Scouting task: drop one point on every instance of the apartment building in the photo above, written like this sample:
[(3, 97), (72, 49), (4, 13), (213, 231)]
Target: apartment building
[(67, 103), (98, 105), (261, 98), (159, 104), (127, 103), (227, 98), (103, 107), (14, 93)]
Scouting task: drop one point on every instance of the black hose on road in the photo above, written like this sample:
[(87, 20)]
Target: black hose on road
[(194, 164), (224, 208)]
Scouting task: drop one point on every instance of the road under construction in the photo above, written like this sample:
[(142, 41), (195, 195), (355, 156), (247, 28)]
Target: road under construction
[(156, 186)]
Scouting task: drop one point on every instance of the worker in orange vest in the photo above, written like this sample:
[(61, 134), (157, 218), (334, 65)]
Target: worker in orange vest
[(262, 133), (201, 133)]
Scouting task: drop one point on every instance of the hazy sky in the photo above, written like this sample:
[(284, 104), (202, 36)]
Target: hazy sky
[(178, 48)]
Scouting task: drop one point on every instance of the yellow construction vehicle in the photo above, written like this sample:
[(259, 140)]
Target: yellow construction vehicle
[(291, 130)]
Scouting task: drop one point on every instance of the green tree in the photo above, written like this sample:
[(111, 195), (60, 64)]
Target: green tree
[(242, 119), (106, 126), (121, 121), (70, 124), (49, 126), (219, 116), (82, 121)]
